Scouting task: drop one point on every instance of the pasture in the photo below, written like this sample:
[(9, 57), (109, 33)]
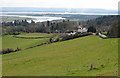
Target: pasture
[(66, 58), (11, 42), (35, 35)]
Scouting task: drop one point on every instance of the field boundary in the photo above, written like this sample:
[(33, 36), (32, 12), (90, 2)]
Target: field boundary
[(48, 42), (30, 37)]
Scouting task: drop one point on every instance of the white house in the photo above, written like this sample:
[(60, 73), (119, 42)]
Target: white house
[(81, 30)]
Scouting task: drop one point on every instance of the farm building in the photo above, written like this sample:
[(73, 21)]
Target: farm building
[(80, 29)]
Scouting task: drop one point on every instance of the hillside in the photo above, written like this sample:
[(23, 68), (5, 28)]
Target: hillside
[(67, 58), (103, 20)]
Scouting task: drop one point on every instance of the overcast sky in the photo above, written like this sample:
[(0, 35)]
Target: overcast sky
[(103, 4)]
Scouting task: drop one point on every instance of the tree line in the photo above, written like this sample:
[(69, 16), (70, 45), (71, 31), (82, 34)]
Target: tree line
[(102, 21), (100, 24), (45, 27)]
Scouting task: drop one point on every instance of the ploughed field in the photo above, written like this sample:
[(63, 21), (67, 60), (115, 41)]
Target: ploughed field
[(67, 58)]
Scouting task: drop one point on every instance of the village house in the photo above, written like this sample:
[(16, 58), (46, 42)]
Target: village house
[(78, 29), (81, 29)]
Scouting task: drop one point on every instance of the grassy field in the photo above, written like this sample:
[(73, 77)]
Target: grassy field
[(67, 58), (11, 42), (35, 35)]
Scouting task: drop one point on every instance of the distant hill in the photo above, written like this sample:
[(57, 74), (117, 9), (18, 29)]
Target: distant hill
[(71, 10), (103, 20)]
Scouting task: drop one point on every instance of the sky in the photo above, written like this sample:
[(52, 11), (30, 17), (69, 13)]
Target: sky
[(100, 4)]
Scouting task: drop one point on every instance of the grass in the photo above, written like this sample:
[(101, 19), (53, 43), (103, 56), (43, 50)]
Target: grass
[(11, 42), (104, 32), (35, 35), (67, 58)]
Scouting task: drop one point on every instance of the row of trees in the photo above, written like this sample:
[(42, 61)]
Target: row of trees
[(109, 24), (17, 23), (103, 21), (45, 27), (115, 29)]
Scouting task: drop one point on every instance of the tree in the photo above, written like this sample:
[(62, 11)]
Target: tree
[(92, 29), (48, 23), (32, 21), (115, 29), (63, 20), (15, 22)]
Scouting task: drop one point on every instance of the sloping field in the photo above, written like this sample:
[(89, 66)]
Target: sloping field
[(67, 58), (12, 42)]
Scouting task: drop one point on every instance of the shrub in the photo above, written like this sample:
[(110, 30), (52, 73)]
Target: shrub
[(8, 50), (92, 29), (68, 37), (5, 51)]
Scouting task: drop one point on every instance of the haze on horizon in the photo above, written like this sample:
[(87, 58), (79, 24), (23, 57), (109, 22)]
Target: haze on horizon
[(99, 4)]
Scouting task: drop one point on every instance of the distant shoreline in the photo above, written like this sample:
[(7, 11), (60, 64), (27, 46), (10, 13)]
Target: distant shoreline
[(58, 13), (37, 18)]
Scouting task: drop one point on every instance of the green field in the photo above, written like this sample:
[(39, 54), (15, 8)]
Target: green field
[(67, 58), (11, 42), (35, 35)]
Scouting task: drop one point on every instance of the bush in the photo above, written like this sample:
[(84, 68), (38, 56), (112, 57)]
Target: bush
[(51, 40), (92, 29), (6, 51), (18, 49)]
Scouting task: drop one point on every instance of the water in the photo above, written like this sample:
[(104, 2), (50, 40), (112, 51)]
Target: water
[(44, 18), (35, 18)]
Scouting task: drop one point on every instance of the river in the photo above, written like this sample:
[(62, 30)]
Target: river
[(35, 18), (43, 18)]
